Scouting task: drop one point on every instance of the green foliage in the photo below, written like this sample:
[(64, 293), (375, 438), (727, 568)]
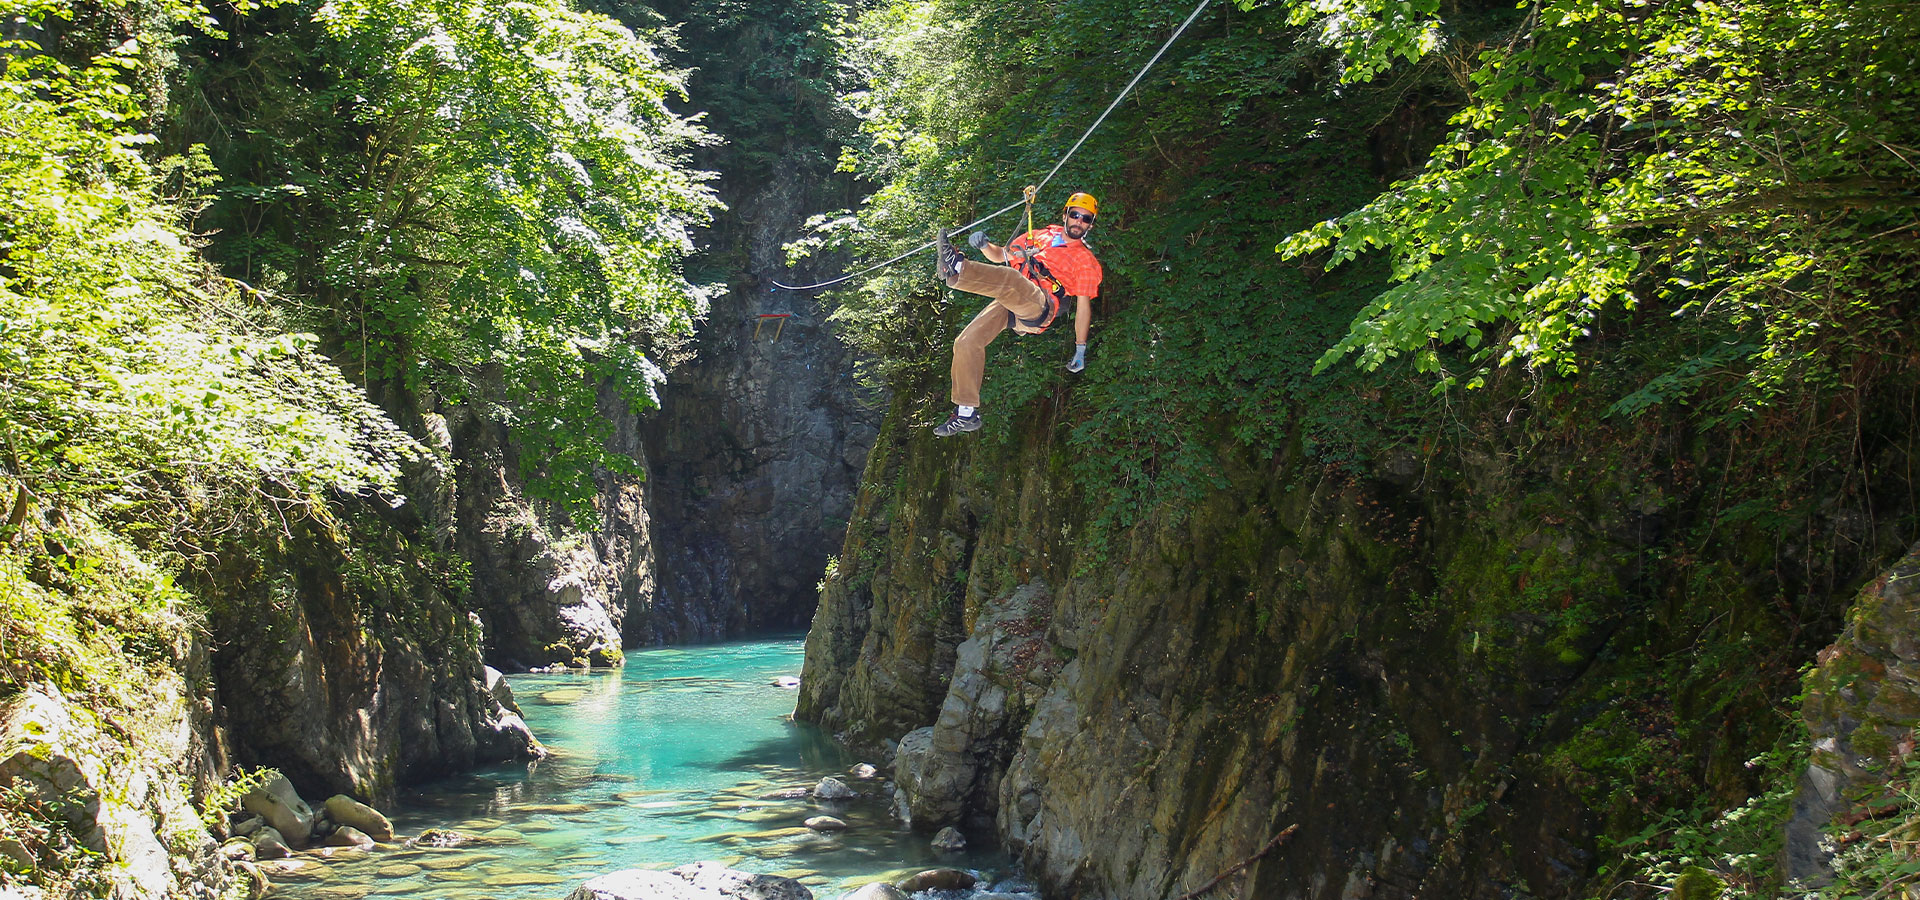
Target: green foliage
[(1731, 853), (488, 204), (1197, 332), (224, 799), (126, 370), (1746, 167)]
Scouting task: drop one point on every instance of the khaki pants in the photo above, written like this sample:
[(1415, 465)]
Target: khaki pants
[(1011, 293)]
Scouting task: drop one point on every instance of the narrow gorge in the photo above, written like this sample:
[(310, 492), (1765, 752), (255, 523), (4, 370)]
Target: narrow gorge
[(1491, 475)]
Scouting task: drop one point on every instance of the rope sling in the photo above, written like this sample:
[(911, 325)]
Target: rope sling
[(1030, 192)]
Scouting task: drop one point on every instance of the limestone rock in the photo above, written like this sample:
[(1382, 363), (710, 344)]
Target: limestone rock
[(1862, 706), (345, 810), (738, 885), (548, 593), (831, 788), (268, 844), (237, 849), (699, 881), (498, 688), (937, 880), (278, 803), (949, 839), (879, 890), (747, 423), (349, 836), (439, 837), (117, 792), (954, 767), (825, 823)]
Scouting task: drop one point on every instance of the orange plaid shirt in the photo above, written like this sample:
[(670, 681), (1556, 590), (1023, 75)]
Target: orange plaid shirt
[(1071, 263)]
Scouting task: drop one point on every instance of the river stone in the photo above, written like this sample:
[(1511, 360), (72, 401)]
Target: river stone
[(398, 870), (731, 883), (949, 839), (936, 880), (831, 788), (798, 793), (247, 826), (825, 823), (864, 772), (876, 891), (349, 836), (283, 809), (439, 837), (268, 844), (237, 849), (498, 689), (345, 810), (699, 881)]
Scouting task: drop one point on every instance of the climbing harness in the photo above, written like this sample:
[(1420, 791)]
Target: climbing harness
[(1033, 190)]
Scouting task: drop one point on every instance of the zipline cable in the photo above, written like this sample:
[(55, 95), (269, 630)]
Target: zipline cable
[(1043, 182)]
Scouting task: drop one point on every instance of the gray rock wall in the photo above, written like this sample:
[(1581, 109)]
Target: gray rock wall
[(1862, 710), (1410, 666), (757, 449), (549, 591)]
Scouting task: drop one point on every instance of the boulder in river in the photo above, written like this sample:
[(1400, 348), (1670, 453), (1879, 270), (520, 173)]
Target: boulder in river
[(831, 788), (949, 839), (699, 881), (268, 844), (345, 810), (439, 837), (936, 880), (825, 823), (732, 883), (864, 772), (349, 836), (281, 806), (879, 890)]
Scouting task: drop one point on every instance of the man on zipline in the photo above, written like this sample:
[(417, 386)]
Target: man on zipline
[(1048, 265)]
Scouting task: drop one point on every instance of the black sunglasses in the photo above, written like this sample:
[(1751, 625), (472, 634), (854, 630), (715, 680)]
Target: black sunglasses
[(1080, 216)]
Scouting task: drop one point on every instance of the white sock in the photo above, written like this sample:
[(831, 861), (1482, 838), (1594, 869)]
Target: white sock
[(966, 412)]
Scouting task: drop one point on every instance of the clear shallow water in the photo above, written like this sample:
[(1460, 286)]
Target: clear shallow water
[(667, 761)]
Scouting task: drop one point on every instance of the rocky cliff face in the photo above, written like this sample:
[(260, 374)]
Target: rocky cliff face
[(548, 590), (1862, 710), (758, 445), (1426, 667), (343, 661), (346, 652)]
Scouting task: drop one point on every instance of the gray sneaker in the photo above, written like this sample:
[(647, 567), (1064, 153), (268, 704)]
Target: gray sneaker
[(946, 259), (956, 424)]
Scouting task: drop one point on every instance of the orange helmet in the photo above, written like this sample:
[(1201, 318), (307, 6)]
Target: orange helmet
[(1085, 201)]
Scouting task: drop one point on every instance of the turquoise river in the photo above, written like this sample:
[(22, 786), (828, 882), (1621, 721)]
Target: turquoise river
[(682, 755)]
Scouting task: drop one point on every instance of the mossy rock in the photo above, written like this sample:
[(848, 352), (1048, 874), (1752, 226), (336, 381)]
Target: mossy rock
[(1696, 883)]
